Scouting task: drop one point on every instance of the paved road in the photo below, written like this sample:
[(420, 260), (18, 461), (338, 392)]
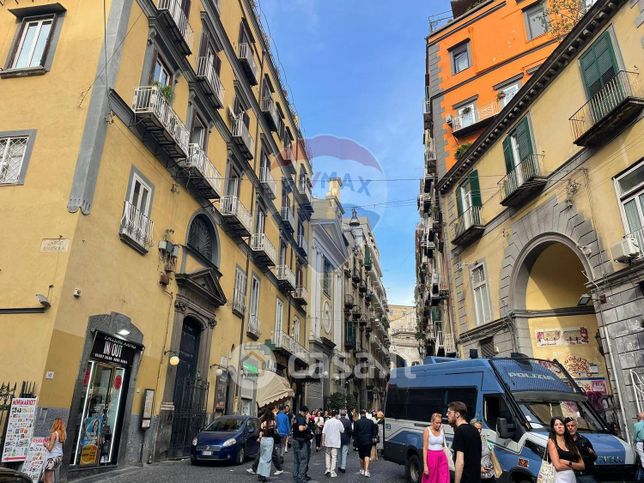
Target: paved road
[(182, 471)]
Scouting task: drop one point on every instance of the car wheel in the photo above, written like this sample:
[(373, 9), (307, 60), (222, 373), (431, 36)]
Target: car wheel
[(241, 456), (412, 468)]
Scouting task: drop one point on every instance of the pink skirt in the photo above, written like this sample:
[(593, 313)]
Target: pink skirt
[(437, 466)]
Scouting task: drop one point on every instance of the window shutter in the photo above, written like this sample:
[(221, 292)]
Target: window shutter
[(476, 189), (598, 65), (523, 139), (459, 202), (507, 154)]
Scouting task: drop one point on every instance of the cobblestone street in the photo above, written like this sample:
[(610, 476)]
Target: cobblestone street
[(183, 471)]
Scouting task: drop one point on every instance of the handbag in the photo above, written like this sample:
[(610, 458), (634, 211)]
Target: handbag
[(498, 469), (547, 472), (448, 454)]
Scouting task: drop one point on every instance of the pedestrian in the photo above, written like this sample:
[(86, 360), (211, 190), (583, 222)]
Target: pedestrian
[(487, 467), (287, 443), (319, 425), (345, 439), (466, 445), (332, 441), (54, 447), (275, 457), (563, 452), (283, 428), (638, 437), (364, 432), (267, 432), (435, 464), (586, 451), (301, 445)]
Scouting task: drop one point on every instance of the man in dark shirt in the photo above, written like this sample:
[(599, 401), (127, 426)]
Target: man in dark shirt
[(466, 445), (586, 451), (301, 446), (364, 431)]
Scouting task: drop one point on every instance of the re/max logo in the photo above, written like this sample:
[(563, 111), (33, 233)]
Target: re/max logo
[(526, 375)]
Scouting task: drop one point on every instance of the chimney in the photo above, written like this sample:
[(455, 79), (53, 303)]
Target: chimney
[(334, 188)]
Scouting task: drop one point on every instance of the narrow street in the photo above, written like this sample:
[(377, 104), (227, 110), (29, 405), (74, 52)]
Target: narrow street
[(183, 471)]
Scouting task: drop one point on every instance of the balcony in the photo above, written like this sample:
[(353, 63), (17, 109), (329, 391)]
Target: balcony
[(153, 110), (247, 60), (136, 228), (301, 295), (304, 192), (287, 344), (176, 21), (467, 123), (207, 74), (424, 202), (202, 174), (252, 330), (524, 182), (349, 301), (444, 343), (242, 137), (608, 111), (271, 115), (288, 156), (239, 302), (285, 277), (288, 218), (236, 214), (263, 249), (302, 246), (468, 227), (426, 183), (267, 182), (427, 242)]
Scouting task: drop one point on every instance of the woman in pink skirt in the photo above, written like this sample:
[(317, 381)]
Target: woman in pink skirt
[(436, 468)]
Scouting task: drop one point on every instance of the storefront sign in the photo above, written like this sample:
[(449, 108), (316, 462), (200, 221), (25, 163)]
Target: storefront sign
[(20, 427), (35, 458), (113, 350)]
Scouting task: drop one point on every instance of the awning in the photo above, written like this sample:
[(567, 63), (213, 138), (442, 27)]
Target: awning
[(272, 388)]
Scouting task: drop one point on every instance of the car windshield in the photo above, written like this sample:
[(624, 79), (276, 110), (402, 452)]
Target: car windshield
[(225, 424), (539, 413)]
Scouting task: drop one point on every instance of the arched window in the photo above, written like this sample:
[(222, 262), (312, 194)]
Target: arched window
[(201, 238)]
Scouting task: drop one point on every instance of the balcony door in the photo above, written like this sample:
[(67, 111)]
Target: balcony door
[(234, 182), (161, 73), (260, 221), (198, 132), (517, 148), (599, 67), (279, 314), (139, 196), (468, 197)]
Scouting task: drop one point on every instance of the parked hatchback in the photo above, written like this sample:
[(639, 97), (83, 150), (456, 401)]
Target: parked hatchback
[(227, 438)]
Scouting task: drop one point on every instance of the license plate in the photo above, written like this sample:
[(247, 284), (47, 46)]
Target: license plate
[(206, 453)]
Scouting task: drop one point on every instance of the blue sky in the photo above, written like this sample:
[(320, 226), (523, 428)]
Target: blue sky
[(355, 71)]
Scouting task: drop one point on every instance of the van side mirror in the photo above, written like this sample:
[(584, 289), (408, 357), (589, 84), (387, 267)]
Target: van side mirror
[(505, 429)]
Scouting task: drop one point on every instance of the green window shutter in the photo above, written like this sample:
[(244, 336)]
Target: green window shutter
[(476, 189), (507, 154), (459, 202), (598, 65), (524, 139)]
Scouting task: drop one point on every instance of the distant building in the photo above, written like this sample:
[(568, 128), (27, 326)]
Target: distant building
[(402, 332)]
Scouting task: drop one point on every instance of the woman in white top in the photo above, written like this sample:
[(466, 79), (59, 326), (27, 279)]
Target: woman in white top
[(436, 467), (563, 452), (54, 446)]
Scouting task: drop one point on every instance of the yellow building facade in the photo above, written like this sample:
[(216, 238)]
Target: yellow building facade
[(156, 190), (544, 256)]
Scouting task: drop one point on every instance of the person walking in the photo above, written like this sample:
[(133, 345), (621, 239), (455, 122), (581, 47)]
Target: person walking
[(54, 447), (345, 439), (466, 445), (435, 464), (287, 442), (364, 432), (275, 457), (487, 467), (332, 440), (319, 425), (586, 451), (267, 433), (283, 428), (301, 446), (563, 452), (638, 438)]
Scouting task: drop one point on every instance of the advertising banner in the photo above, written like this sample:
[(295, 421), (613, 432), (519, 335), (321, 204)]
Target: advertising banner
[(35, 458), (20, 428)]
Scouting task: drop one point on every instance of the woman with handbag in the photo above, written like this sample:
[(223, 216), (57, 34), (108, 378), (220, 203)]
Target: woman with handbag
[(563, 452), (435, 460), (490, 467)]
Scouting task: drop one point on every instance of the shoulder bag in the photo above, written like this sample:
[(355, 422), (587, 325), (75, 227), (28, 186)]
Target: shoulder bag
[(547, 473), (448, 453)]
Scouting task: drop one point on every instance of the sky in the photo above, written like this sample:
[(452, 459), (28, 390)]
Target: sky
[(354, 71)]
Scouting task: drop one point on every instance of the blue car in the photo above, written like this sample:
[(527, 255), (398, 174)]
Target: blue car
[(227, 438)]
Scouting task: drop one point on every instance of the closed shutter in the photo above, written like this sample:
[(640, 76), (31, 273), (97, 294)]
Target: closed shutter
[(598, 65), (523, 139), (459, 202), (476, 189), (507, 154)]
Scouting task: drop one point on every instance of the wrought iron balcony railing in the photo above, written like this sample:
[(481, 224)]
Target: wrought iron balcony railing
[(232, 207), (178, 21), (283, 273), (476, 115), (202, 173), (269, 109), (288, 217), (525, 180), (253, 325), (301, 294), (247, 59), (206, 72), (469, 226), (261, 245), (268, 182), (282, 340), (136, 227), (242, 137)]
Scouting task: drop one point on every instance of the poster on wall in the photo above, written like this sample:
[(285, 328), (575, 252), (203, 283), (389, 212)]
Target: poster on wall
[(561, 337), (20, 428), (35, 458)]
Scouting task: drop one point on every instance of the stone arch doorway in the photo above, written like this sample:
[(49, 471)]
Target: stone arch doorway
[(554, 317)]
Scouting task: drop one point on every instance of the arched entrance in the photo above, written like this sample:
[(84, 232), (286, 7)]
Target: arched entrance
[(555, 317)]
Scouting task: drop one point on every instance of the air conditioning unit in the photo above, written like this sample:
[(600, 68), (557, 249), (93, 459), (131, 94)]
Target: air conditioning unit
[(626, 250)]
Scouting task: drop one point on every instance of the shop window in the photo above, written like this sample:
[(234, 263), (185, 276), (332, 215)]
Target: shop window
[(461, 58), (630, 191), (482, 307), (536, 20)]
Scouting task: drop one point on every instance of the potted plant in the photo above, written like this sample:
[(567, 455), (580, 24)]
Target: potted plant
[(166, 91), (460, 151)]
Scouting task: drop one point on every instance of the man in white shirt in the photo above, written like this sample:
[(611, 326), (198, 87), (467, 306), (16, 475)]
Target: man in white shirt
[(331, 441)]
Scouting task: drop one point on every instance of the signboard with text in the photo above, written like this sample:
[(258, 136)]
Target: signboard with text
[(35, 458), (20, 428), (113, 350)]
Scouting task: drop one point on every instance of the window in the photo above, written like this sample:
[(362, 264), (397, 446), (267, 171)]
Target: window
[(468, 395), (468, 195), (349, 334), (239, 294), (327, 271), (234, 181), (201, 238), (260, 220), (466, 116), (487, 347), (240, 109), (495, 407), (598, 65), (423, 402), (630, 191), (136, 226), (35, 35), (254, 298), (536, 20), (396, 402), (12, 158), (506, 93), (161, 73), (481, 297), (139, 196), (296, 330), (209, 52), (198, 132), (279, 315), (283, 249), (517, 149), (460, 57), (301, 240)]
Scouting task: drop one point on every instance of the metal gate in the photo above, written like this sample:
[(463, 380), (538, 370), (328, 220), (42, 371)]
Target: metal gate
[(188, 418), (7, 393)]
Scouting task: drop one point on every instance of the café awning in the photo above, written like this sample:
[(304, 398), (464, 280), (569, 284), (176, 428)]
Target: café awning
[(272, 388)]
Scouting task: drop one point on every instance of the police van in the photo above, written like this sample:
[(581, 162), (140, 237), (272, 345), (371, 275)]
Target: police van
[(515, 398)]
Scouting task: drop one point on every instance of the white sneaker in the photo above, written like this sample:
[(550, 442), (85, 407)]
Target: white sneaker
[(361, 472), (278, 472), (334, 474), (250, 470), (367, 474)]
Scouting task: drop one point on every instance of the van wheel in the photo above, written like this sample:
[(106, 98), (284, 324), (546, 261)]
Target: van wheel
[(412, 468)]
